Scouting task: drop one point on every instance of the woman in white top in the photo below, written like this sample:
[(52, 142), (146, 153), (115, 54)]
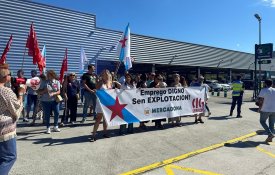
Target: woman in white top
[(104, 83), (128, 84), (176, 83)]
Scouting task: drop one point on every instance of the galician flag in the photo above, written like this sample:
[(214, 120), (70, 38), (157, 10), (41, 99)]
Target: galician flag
[(123, 48), (82, 61)]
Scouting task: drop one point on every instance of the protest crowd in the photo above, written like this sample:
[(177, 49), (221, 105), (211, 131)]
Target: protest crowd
[(42, 96)]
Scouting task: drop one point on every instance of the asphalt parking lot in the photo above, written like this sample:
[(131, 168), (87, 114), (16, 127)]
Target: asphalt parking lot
[(190, 149)]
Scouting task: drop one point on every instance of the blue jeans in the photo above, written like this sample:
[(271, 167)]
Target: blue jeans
[(31, 99), (263, 117), (48, 107), (90, 100), (7, 155)]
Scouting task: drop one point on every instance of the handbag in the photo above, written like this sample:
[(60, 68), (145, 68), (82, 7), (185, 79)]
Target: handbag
[(58, 98)]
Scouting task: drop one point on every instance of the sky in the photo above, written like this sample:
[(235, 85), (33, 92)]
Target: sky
[(228, 24)]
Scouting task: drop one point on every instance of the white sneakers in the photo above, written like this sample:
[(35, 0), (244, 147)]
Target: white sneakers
[(48, 131), (55, 129)]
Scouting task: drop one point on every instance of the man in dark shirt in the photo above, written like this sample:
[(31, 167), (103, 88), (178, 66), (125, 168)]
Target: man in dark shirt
[(16, 83), (89, 83)]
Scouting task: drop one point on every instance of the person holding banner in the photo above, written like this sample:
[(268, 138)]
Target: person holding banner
[(176, 83), (197, 83), (105, 83), (158, 83), (128, 84), (10, 110), (49, 90), (142, 84)]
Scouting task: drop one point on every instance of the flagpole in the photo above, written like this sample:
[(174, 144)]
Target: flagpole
[(117, 68), (23, 58)]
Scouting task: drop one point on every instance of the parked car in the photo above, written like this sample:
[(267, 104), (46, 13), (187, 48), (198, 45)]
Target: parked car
[(226, 87), (214, 85)]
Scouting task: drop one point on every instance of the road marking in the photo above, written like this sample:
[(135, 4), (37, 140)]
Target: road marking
[(169, 171), (185, 156), (265, 151)]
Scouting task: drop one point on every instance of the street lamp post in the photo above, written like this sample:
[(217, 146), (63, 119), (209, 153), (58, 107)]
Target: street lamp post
[(257, 16)]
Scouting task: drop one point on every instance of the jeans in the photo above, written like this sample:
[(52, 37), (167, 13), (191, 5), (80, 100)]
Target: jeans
[(90, 100), (238, 100), (31, 99), (263, 117), (48, 107), (7, 155)]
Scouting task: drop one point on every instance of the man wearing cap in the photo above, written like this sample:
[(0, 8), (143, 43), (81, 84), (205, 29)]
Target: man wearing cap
[(89, 83), (237, 96)]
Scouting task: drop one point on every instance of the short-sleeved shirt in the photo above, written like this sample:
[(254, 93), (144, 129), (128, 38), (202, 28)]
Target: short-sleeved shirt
[(90, 80), (269, 99), (52, 86), (72, 88)]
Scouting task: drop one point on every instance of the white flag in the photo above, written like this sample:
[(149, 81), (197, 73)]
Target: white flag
[(82, 61)]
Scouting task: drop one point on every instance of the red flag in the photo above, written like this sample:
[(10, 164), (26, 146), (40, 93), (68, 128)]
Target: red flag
[(4, 55), (30, 41), (64, 66), (33, 46)]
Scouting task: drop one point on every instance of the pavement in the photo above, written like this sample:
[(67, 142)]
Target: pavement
[(222, 145)]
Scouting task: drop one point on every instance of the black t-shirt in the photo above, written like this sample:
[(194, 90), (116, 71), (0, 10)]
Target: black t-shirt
[(90, 80)]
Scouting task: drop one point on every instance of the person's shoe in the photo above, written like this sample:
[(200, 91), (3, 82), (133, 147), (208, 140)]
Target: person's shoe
[(196, 121), (25, 120), (239, 116), (200, 120), (48, 131), (83, 120), (209, 113), (269, 138), (56, 129), (61, 124)]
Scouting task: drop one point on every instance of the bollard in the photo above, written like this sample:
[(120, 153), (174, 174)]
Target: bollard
[(225, 92), (218, 93)]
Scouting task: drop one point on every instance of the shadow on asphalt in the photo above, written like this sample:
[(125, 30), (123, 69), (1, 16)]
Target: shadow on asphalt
[(245, 144), (254, 109), (226, 117), (28, 136)]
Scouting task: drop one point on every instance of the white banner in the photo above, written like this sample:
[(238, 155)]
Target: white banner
[(129, 106)]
